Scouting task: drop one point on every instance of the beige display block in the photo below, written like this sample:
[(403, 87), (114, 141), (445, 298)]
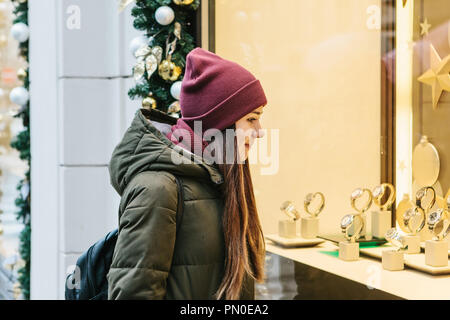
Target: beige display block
[(287, 228), (348, 251), (393, 260), (381, 222), (436, 253), (309, 227), (413, 243)]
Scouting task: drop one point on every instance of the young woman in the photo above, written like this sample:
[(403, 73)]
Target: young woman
[(218, 250)]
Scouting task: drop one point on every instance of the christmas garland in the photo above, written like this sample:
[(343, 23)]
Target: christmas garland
[(22, 143), (161, 52)]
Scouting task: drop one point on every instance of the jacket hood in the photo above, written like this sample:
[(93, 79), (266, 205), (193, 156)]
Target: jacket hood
[(145, 147)]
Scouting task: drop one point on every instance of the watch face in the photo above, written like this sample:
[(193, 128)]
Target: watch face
[(420, 194), (408, 214), (434, 216), (309, 198), (346, 221), (357, 193), (377, 191), (391, 233)]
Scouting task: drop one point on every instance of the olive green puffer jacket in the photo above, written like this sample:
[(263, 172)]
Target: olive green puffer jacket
[(149, 261)]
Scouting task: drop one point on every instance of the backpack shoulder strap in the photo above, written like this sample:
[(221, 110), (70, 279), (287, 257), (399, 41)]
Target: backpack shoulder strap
[(180, 206)]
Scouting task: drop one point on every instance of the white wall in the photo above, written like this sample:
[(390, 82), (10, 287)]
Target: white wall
[(79, 111)]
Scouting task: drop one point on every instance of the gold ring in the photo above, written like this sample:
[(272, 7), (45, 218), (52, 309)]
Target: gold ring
[(309, 198), (378, 194), (421, 194), (358, 193), (289, 209)]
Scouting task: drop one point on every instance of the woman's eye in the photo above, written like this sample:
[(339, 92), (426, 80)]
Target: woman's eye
[(251, 119)]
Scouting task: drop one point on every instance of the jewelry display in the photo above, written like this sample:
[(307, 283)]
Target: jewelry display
[(394, 237), (309, 199), (357, 194), (310, 225), (422, 194), (436, 250), (355, 202), (393, 260), (414, 221), (425, 163), (287, 228), (381, 219), (351, 226), (404, 205)]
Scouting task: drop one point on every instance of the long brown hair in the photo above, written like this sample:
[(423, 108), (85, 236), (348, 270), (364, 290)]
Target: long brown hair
[(244, 239)]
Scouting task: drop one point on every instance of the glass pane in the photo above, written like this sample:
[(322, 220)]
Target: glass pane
[(319, 63)]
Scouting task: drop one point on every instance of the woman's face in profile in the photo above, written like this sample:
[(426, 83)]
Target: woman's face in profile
[(247, 130)]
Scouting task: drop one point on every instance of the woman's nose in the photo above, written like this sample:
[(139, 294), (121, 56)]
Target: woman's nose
[(258, 132)]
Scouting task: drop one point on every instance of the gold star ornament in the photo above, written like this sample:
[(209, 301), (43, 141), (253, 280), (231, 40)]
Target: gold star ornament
[(437, 76), (425, 27)]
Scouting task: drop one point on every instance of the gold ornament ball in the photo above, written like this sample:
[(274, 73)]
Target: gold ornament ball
[(169, 70), (21, 74), (149, 103), (174, 107), (183, 2)]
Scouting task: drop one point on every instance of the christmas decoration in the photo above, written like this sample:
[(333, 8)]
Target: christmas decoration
[(19, 96), (183, 2), (169, 70), (137, 43), (164, 15), (175, 39), (20, 32), (437, 76), (21, 74), (425, 27), (148, 60), (149, 103), (175, 90), (21, 142)]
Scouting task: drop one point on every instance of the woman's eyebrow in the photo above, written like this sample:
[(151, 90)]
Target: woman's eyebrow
[(257, 112)]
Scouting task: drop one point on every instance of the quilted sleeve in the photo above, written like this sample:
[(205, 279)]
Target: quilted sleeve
[(147, 230)]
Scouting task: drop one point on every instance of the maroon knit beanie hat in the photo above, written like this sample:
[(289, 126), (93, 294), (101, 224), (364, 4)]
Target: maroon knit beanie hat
[(217, 91)]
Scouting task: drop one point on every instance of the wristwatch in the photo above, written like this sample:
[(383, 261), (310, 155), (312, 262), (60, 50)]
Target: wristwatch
[(289, 209), (396, 239), (309, 198), (350, 220), (379, 192), (358, 193), (414, 219), (438, 223)]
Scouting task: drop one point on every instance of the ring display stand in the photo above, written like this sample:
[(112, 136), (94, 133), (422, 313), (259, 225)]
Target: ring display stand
[(413, 243), (309, 227), (287, 228), (348, 251), (381, 222), (436, 253), (414, 261), (393, 260)]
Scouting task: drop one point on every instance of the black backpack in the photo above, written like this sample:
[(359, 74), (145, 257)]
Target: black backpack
[(88, 281)]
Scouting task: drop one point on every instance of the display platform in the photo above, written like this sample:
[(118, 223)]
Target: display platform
[(414, 261), (294, 242), (407, 284)]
